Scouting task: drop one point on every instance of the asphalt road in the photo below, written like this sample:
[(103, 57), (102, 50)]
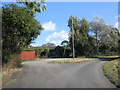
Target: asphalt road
[(40, 74)]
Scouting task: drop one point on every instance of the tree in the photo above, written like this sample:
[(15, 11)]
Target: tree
[(65, 45), (19, 29), (106, 36), (97, 26), (93, 38), (49, 45), (109, 38), (73, 24), (47, 51), (38, 52), (34, 6), (90, 47), (81, 28)]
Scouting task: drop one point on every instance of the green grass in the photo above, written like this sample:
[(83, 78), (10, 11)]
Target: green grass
[(105, 56), (73, 61), (110, 70), (81, 57), (28, 50)]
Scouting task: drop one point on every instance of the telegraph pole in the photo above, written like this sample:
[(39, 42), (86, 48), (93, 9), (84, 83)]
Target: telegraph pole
[(73, 40)]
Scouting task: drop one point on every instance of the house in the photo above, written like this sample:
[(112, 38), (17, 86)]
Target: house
[(57, 52)]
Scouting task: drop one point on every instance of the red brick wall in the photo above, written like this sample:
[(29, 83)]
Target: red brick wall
[(27, 55)]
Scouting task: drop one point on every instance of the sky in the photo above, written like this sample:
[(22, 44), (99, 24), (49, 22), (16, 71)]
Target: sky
[(55, 18)]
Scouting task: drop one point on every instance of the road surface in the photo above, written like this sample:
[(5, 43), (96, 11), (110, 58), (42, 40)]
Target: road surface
[(41, 74)]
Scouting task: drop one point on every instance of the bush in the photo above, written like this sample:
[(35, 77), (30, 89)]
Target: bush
[(19, 29), (28, 50)]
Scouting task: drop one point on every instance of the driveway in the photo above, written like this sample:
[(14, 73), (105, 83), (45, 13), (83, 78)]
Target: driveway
[(41, 74)]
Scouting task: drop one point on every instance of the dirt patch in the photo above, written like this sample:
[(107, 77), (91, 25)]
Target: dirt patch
[(8, 76), (73, 61)]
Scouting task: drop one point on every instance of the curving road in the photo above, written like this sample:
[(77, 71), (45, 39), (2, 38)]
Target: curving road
[(40, 74)]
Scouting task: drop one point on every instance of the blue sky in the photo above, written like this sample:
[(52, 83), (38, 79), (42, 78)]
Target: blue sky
[(55, 18)]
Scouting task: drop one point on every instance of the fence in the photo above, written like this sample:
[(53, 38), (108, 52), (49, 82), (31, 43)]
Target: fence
[(27, 55)]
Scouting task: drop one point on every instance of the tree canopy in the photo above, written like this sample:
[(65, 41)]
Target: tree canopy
[(34, 6), (19, 29), (81, 28), (92, 38), (49, 45)]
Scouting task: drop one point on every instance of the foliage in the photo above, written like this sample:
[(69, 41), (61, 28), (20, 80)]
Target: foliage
[(34, 6), (93, 38), (106, 36), (38, 52), (47, 51), (19, 29), (46, 48), (49, 45), (64, 42), (44, 52), (66, 48), (28, 50), (97, 26), (81, 38)]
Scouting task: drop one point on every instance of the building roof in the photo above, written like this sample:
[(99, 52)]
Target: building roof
[(38, 47)]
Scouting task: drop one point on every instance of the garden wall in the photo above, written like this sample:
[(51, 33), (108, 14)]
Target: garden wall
[(27, 55)]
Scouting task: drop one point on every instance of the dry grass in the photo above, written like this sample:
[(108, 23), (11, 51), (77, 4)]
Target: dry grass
[(8, 69), (79, 60), (110, 70), (106, 56), (37, 59), (7, 73)]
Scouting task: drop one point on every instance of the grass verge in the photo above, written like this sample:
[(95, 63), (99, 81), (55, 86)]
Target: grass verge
[(73, 61), (105, 56), (38, 59), (9, 68), (111, 71), (7, 72)]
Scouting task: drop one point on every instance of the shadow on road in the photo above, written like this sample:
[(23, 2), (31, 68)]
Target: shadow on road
[(109, 59)]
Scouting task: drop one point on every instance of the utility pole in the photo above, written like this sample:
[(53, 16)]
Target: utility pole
[(73, 40)]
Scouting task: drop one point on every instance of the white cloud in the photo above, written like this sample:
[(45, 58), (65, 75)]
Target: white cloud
[(49, 26), (56, 42), (57, 37), (33, 44)]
